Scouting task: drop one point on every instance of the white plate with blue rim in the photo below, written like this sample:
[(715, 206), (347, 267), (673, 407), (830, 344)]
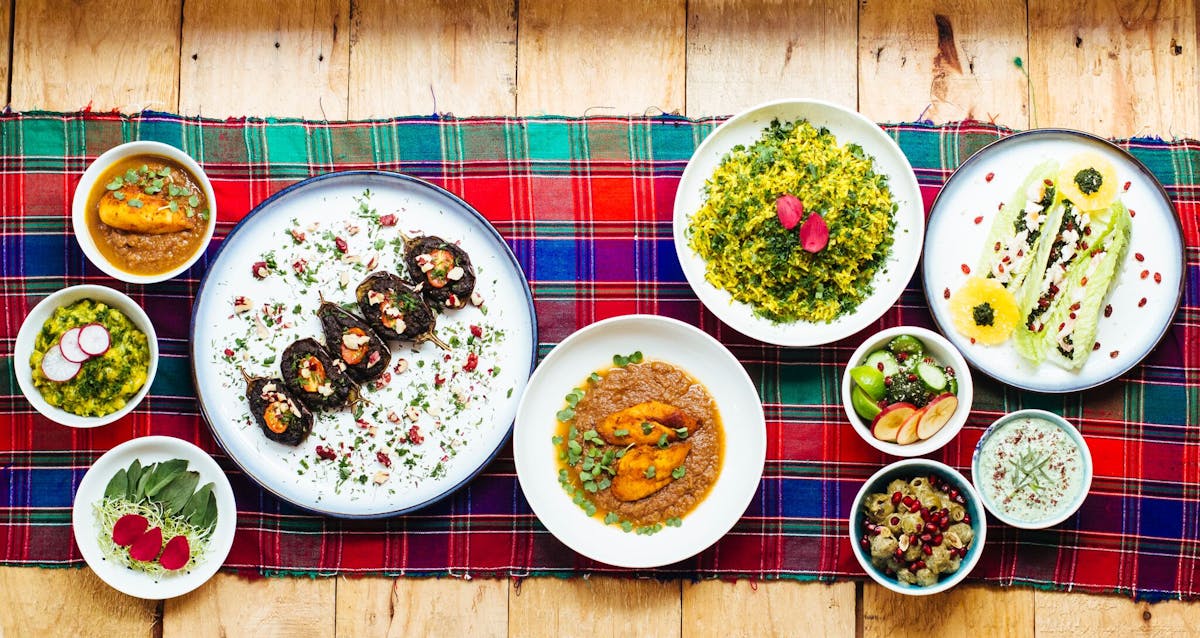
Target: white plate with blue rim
[(1133, 327), (439, 418)]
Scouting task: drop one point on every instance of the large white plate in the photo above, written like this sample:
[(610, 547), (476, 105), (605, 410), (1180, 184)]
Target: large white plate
[(849, 127), (660, 339), (152, 449), (954, 239), (457, 442)]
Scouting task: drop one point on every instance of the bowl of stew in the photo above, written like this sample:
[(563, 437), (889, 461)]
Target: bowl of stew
[(144, 212)]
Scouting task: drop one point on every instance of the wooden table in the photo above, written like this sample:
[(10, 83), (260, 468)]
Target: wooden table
[(1113, 68)]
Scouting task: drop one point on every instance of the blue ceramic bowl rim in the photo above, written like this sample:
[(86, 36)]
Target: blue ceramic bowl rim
[(1071, 431), (911, 468)]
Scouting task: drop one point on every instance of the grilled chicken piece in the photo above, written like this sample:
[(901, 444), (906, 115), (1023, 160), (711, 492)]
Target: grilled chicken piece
[(635, 480), (153, 217), (646, 423)]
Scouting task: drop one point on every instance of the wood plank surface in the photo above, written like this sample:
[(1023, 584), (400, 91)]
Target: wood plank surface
[(229, 606), (596, 606), (458, 58), (69, 602), (966, 610), (1072, 615), (103, 54), (1115, 67), (398, 607), (772, 608), (601, 59), (943, 60), (294, 61), (741, 53)]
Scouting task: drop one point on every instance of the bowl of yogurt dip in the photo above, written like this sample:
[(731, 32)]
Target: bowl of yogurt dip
[(1032, 469)]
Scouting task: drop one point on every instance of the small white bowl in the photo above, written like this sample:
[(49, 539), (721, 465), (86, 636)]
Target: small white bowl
[(941, 350), (908, 469), (659, 339), (33, 325), (1075, 436), (88, 181), (152, 449)]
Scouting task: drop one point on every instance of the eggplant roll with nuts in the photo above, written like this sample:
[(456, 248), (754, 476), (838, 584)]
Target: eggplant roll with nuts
[(443, 270), (319, 380), (281, 415), (351, 339), (395, 310)]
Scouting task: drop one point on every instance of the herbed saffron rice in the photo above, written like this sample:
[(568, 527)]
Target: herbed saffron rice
[(759, 262)]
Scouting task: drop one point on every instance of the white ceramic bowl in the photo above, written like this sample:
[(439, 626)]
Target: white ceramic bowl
[(32, 325), (661, 339), (151, 449), (908, 469), (940, 349), (1075, 436), (88, 181), (850, 128)]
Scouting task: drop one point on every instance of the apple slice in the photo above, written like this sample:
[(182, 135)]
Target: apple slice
[(887, 423), (908, 430), (937, 414)]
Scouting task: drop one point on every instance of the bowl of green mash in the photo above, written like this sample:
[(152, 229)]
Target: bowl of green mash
[(107, 385)]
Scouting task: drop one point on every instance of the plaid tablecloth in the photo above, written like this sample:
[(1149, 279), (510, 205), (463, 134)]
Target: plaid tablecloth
[(568, 195)]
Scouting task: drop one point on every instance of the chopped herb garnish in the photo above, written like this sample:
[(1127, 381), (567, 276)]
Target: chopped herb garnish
[(650, 472), (678, 472)]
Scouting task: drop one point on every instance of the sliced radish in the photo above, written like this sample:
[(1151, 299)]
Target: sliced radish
[(58, 368), (176, 554), (94, 339), (69, 343), (128, 529)]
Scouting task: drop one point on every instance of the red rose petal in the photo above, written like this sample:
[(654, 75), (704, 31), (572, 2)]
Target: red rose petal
[(147, 547), (128, 529), (176, 554), (814, 234), (789, 209)]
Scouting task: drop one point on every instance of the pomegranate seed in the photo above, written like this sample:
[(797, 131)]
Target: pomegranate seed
[(1108, 310), (870, 527), (1020, 252), (967, 519), (1083, 281), (966, 269), (880, 366), (1113, 354), (1048, 182), (1142, 302), (326, 453), (1127, 185), (887, 380), (926, 537), (899, 553), (1158, 278), (979, 219), (341, 244), (383, 459), (908, 502), (913, 377), (927, 550), (988, 177), (930, 528), (896, 496), (996, 247), (919, 565), (949, 371), (1139, 256), (476, 331), (1145, 273), (937, 539), (972, 340), (297, 236), (228, 352), (1095, 346), (902, 356), (1087, 231), (943, 523), (865, 544), (387, 220), (946, 294), (953, 492), (1132, 213), (895, 520)]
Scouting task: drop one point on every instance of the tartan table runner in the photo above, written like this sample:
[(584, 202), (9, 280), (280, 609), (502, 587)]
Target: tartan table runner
[(570, 195)]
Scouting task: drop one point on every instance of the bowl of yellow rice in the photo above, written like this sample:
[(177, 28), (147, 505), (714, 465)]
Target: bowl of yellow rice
[(754, 273)]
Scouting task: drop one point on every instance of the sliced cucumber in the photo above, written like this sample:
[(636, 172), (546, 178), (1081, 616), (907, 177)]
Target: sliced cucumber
[(932, 376), (885, 359), (907, 344)]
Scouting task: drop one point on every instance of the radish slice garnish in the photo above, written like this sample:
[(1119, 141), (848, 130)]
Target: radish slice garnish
[(69, 343), (58, 368), (94, 339)]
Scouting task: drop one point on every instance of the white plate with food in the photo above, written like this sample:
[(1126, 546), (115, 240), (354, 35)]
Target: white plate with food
[(85, 356), (154, 517), (798, 222), (360, 343), (1053, 261), (640, 441)]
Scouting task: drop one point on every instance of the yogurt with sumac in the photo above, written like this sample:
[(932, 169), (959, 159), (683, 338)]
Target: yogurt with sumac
[(1030, 469)]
